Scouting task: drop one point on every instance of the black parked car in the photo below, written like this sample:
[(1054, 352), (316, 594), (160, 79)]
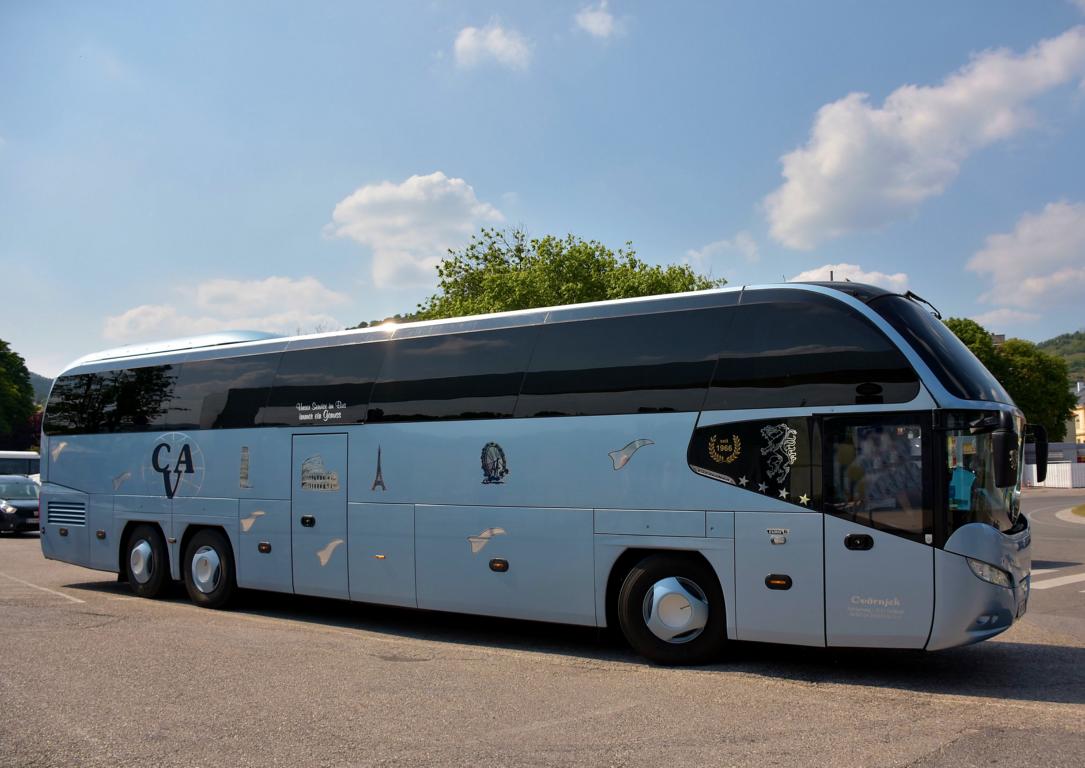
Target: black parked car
[(18, 503)]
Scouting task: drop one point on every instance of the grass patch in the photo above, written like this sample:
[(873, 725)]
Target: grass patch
[(1079, 510)]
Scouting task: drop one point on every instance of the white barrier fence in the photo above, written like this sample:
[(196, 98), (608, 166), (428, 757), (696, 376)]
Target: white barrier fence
[(1062, 475)]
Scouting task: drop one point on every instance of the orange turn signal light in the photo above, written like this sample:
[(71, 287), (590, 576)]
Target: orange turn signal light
[(778, 581)]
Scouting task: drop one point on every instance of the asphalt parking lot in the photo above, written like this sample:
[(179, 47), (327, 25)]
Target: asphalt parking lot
[(91, 676)]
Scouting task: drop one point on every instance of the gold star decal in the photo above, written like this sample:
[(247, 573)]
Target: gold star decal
[(804, 499)]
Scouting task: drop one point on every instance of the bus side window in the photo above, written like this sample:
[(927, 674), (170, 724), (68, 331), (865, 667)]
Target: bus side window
[(810, 352), (659, 363), (341, 376), (221, 393), (139, 398), (75, 405), (875, 474), (472, 375), (779, 458)]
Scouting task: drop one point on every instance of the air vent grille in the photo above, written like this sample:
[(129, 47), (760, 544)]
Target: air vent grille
[(67, 512)]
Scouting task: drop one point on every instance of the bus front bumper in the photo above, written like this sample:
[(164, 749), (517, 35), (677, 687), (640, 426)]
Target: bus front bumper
[(968, 609)]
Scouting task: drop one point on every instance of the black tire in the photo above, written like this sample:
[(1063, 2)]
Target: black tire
[(221, 583), (154, 575), (698, 648)]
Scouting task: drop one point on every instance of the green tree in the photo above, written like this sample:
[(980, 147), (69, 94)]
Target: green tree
[(1071, 348), (502, 270), (979, 340), (16, 393), (1037, 381)]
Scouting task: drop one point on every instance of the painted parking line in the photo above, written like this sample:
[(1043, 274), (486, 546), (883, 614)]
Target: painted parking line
[(43, 589), (1058, 582), (1041, 571)]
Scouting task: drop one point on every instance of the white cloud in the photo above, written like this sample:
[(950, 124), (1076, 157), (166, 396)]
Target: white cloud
[(275, 304), (598, 22), (1080, 4), (742, 244), (1000, 318), (865, 165), (253, 297), (507, 47), (897, 282), (409, 226), (1041, 264)]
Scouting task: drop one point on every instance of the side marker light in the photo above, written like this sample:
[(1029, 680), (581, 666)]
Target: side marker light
[(778, 581)]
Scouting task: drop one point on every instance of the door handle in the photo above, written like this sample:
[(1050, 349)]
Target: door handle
[(859, 541), (308, 521)]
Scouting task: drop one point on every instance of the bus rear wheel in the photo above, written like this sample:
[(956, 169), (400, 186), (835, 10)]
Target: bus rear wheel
[(208, 568), (146, 561), (670, 609)]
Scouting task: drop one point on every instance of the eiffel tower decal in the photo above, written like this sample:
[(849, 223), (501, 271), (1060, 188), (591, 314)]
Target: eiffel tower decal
[(379, 479)]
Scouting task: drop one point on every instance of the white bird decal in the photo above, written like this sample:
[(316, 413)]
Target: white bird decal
[(249, 521), (326, 554), (119, 480), (55, 451), (480, 541), (622, 457)]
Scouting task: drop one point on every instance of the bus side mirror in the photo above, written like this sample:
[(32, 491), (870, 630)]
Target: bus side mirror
[(1004, 444), (1037, 434)]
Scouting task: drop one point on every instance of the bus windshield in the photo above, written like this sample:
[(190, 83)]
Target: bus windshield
[(948, 358), (972, 495)]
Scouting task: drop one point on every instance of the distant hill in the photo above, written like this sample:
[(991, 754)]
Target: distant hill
[(41, 387), (1071, 348)]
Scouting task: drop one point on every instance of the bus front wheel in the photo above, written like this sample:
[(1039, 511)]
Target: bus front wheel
[(671, 610), (208, 567)]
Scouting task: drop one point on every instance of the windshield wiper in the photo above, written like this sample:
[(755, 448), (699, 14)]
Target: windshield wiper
[(917, 297)]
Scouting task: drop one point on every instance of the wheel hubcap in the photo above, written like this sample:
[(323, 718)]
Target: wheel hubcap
[(141, 560), (675, 610), (206, 569)]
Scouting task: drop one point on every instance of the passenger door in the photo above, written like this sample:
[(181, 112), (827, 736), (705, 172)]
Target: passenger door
[(318, 520), (879, 566)]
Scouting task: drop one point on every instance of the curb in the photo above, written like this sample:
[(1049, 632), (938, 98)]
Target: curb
[(1067, 515)]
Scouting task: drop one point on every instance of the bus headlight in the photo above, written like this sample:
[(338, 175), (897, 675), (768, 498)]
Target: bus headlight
[(990, 573)]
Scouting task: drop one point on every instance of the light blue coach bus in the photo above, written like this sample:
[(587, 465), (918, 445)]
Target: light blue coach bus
[(820, 464)]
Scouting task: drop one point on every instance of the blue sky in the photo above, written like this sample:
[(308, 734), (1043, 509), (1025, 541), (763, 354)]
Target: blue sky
[(177, 168)]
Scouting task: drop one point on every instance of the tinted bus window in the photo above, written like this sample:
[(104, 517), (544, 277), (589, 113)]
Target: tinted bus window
[(779, 458), (66, 412), (137, 398), (640, 364), (948, 358), (324, 385), (458, 376), (124, 400), (808, 351), (221, 394)]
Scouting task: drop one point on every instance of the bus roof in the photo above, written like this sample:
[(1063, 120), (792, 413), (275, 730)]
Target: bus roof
[(237, 343)]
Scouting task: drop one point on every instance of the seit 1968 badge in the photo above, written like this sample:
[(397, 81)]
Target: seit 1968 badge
[(723, 449)]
